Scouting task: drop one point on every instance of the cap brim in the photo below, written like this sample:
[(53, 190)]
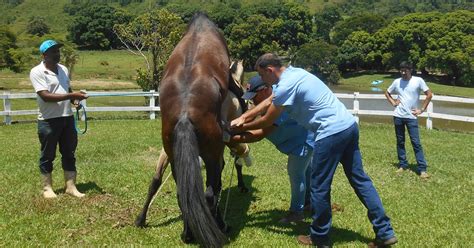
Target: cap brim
[(248, 95), (58, 45)]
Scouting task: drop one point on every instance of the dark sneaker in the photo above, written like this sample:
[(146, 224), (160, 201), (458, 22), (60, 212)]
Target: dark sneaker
[(383, 243), (292, 217), (306, 240)]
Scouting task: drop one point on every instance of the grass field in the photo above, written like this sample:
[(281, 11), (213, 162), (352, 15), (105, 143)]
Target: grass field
[(116, 160)]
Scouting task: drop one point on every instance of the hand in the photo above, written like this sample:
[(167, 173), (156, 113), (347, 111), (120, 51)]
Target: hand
[(397, 102), (79, 96), (416, 112), (238, 122)]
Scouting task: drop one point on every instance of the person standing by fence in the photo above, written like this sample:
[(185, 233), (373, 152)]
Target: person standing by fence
[(312, 104), (55, 120), (408, 88)]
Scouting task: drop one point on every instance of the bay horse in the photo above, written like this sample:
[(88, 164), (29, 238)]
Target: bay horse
[(193, 88), (232, 107)]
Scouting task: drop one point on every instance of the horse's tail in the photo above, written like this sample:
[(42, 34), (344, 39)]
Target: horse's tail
[(190, 186)]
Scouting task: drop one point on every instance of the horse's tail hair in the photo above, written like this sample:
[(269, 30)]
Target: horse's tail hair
[(190, 186)]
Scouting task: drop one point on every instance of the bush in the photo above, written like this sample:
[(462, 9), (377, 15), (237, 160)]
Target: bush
[(37, 26)]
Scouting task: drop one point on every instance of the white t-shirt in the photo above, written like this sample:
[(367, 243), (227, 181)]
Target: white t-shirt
[(408, 93), (44, 79)]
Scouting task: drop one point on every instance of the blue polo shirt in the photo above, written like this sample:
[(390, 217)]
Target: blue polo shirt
[(291, 138), (311, 103)]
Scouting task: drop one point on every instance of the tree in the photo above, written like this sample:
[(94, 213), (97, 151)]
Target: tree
[(450, 48), (319, 57), (364, 22), (358, 52), (153, 36), (7, 41), (253, 37), (325, 21), (92, 27), (37, 26)]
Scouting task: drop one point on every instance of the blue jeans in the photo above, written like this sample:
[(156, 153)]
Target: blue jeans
[(412, 126), (342, 147), (52, 132), (299, 176)]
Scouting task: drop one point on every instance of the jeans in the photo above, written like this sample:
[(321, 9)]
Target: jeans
[(342, 147), (52, 132), (299, 176), (412, 126)]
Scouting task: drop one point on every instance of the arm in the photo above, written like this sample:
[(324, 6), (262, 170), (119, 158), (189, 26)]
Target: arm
[(427, 101), (390, 99), (252, 135), (252, 113), (265, 121), (53, 97)]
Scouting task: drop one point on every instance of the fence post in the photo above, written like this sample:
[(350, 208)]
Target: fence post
[(429, 120), (84, 105), (152, 105), (356, 107), (7, 107)]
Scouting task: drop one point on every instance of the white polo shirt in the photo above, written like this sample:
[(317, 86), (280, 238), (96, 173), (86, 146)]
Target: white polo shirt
[(408, 93), (44, 79)]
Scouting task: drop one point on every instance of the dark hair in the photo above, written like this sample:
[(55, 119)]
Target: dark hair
[(268, 59), (406, 65)]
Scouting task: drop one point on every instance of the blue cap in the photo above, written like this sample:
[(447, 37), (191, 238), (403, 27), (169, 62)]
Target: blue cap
[(255, 84), (47, 44)]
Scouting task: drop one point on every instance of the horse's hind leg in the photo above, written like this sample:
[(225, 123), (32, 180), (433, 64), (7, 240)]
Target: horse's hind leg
[(214, 166), (154, 185), (240, 179)]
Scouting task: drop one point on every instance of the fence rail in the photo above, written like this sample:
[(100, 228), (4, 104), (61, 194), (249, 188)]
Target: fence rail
[(152, 109)]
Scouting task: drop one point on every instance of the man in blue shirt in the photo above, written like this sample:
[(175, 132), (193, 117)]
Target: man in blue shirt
[(310, 102), (289, 138)]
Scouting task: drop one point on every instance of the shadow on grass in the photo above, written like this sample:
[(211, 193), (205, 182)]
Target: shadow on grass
[(90, 187), (268, 220), (238, 206)]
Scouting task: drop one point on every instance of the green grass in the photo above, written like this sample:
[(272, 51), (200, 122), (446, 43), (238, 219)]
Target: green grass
[(116, 160), (362, 82), (112, 65)]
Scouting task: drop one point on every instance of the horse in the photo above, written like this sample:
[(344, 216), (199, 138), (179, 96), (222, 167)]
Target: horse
[(194, 85), (232, 107)]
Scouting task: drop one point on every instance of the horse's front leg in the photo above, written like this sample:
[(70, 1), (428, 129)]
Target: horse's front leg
[(163, 162), (241, 154)]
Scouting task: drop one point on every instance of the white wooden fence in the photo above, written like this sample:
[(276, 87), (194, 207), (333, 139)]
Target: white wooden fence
[(429, 114), (152, 109)]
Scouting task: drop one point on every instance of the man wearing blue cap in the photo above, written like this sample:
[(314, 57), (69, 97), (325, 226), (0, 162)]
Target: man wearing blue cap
[(312, 104), (289, 138), (55, 120)]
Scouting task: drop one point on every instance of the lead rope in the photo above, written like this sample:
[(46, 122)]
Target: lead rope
[(77, 119), (159, 189), (229, 187)]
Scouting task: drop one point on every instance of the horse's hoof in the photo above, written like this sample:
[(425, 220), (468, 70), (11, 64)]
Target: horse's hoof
[(243, 189), (140, 222)]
